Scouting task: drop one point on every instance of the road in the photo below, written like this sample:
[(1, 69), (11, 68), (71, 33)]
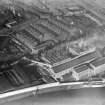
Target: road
[(95, 96)]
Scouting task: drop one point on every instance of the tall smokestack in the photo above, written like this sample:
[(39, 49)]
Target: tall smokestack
[(12, 6)]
